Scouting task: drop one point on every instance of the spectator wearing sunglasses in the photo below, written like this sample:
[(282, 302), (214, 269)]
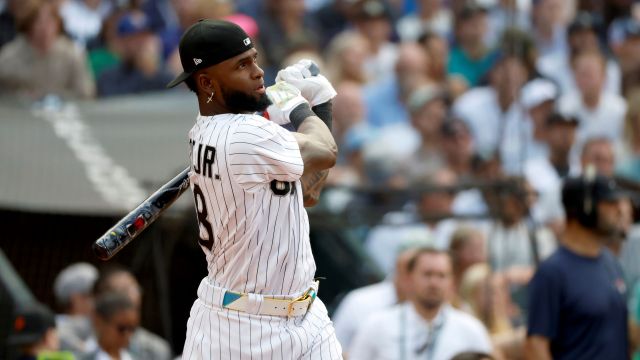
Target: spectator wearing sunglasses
[(115, 320)]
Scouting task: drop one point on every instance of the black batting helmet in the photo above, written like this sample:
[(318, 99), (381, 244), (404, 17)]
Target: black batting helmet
[(581, 195)]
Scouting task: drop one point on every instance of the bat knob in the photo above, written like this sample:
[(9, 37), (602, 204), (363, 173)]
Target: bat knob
[(100, 252)]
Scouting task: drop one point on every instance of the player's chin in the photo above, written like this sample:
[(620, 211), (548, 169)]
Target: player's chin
[(263, 102)]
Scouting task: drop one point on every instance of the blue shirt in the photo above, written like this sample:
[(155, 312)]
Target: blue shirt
[(382, 100), (579, 304)]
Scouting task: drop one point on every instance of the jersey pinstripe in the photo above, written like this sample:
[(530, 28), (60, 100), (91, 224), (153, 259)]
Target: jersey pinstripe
[(254, 229)]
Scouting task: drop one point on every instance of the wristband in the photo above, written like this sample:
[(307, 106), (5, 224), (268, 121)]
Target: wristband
[(299, 113), (325, 113)]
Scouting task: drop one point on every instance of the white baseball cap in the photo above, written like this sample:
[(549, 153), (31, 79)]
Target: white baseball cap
[(76, 278), (537, 91)]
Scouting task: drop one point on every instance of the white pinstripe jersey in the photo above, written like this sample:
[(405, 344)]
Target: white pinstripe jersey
[(254, 230)]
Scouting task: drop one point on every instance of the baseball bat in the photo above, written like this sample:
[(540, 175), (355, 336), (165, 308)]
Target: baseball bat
[(130, 226)]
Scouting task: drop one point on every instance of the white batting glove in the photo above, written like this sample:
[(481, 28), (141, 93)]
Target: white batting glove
[(313, 86), (284, 97)]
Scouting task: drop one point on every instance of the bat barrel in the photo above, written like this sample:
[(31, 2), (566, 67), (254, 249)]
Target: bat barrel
[(129, 227)]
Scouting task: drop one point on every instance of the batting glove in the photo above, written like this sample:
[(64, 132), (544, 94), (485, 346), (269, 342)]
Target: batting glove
[(313, 86), (284, 98)]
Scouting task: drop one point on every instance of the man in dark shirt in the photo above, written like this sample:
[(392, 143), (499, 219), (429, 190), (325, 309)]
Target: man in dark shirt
[(577, 296)]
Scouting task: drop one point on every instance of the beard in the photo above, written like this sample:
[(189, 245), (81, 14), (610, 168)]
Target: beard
[(239, 102)]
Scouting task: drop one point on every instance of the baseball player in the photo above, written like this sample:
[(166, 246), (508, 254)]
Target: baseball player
[(257, 300)]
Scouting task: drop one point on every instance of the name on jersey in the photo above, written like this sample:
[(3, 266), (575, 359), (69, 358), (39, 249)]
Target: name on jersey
[(203, 163)]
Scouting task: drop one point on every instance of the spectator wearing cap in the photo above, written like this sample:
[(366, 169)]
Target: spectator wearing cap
[(470, 58), (457, 147), (372, 19), (115, 320), (141, 67), (577, 307), (73, 289), (547, 173), (359, 304), (41, 60), (34, 332), (582, 36), (600, 111), (539, 100), (431, 16)]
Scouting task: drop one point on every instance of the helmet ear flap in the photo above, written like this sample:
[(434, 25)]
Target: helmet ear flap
[(588, 215)]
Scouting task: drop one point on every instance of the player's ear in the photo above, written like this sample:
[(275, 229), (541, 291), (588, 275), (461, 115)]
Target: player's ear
[(205, 83)]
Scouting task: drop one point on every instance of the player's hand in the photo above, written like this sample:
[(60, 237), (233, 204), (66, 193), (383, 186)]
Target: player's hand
[(284, 98), (313, 86)]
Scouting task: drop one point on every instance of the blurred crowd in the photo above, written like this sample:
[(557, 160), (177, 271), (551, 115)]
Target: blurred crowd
[(481, 108)]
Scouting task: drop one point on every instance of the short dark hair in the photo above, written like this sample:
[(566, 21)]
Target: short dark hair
[(110, 303), (422, 251)]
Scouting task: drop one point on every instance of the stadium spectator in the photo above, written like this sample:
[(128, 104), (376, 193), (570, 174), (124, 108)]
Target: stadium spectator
[(549, 27), (467, 247), (514, 244), (141, 67), (333, 18), (627, 52), (116, 319), (372, 19), (582, 36), (600, 112), (361, 303), (599, 153), (34, 333), (505, 14), (457, 147), (428, 109), (41, 61), (539, 100), (431, 16), (73, 289), (284, 28), (82, 20), (11, 12), (437, 48), (577, 306), (426, 216), (629, 161), (346, 55), (546, 173), (143, 344), (425, 327), (486, 296), (386, 99), (470, 58), (500, 131)]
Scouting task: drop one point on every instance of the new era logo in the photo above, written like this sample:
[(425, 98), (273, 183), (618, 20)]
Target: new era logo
[(197, 61), (247, 41)]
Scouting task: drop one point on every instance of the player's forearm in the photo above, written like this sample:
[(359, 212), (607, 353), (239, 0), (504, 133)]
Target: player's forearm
[(537, 348), (317, 146)]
